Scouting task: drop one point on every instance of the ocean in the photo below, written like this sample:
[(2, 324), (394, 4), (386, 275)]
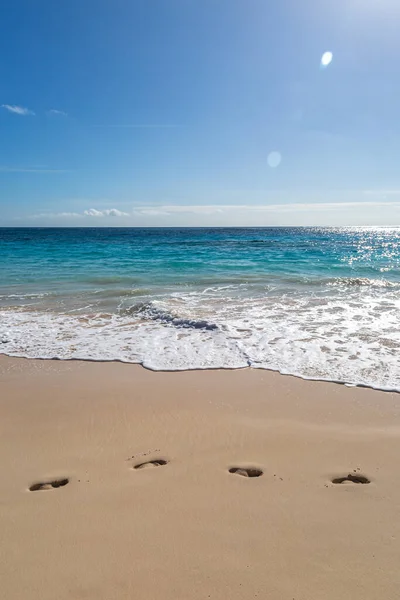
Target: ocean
[(318, 303)]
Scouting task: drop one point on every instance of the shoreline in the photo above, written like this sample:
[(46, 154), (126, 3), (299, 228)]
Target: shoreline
[(188, 526), (206, 369)]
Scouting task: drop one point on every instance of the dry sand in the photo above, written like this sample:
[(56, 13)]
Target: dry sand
[(190, 529)]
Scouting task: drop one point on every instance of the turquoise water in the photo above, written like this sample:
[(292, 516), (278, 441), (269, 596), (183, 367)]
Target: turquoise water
[(321, 303)]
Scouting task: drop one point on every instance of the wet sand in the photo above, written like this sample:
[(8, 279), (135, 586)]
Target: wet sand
[(184, 526)]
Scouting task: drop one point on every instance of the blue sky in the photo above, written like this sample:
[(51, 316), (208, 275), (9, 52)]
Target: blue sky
[(199, 112)]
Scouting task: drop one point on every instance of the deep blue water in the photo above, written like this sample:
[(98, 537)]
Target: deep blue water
[(317, 302)]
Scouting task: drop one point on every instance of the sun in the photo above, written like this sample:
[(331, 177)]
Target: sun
[(326, 59)]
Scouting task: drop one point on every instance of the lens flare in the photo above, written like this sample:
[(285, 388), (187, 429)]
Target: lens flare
[(274, 159)]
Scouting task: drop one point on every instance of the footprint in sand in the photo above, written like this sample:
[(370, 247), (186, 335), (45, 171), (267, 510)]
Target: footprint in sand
[(246, 471), (351, 478), (48, 485), (158, 462)]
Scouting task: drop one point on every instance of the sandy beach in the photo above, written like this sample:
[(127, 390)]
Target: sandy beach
[(183, 526)]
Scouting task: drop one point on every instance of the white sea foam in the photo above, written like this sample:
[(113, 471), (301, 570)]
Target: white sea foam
[(353, 339)]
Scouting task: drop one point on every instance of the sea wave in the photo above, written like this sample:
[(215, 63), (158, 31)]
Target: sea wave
[(149, 311), (356, 341), (363, 282)]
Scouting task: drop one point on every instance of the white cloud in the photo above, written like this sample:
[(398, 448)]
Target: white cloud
[(60, 113), (18, 110), (381, 192), (62, 215), (140, 126), (258, 208), (5, 169), (108, 212), (91, 212), (152, 212), (371, 211)]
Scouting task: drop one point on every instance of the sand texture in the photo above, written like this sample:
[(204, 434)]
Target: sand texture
[(119, 483)]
